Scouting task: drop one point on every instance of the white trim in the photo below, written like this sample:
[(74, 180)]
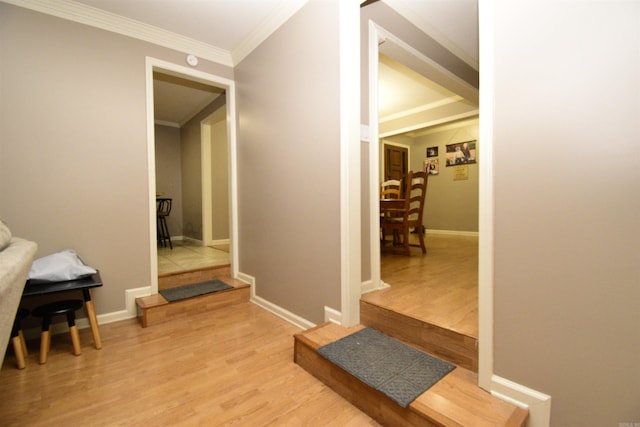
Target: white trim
[(452, 232), (152, 64), (332, 315), (220, 242), (130, 296), (166, 123), (368, 286), (485, 201), (374, 156), (426, 107), (282, 313), (98, 18), (283, 11), (538, 404), (448, 119), (350, 158)]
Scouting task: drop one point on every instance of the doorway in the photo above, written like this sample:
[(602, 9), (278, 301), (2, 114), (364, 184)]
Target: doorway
[(155, 65)]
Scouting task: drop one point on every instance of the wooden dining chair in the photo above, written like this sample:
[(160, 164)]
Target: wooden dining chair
[(391, 189), (396, 223)]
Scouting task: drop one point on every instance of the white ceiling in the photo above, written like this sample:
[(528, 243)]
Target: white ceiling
[(233, 25)]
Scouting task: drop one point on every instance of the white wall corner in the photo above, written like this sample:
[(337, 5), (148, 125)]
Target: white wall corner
[(332, 315), (538, 404)]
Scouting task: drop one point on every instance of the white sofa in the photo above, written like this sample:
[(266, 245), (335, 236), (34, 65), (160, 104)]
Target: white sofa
[(16, 256)]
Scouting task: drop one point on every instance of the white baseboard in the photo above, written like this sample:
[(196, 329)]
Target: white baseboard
[(290, 317), (282, 313), (538, 404), (367, 286), (452, 232), (332, 315)]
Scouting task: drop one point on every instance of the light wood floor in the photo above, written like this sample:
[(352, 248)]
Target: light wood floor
[(233, 366), (440, 287)]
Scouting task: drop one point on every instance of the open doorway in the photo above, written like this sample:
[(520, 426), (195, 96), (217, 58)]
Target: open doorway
[(207, 168), (441, 287)]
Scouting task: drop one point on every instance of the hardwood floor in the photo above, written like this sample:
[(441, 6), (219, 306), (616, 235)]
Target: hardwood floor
[(440, 287), (232, 366)]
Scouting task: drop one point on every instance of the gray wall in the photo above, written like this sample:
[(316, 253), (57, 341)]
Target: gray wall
[(567, 197), (73, 144), (169, 173), (289, 164), (449, 205)]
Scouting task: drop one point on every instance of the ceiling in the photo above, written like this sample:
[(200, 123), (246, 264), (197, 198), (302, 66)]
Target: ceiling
[(240, 25)]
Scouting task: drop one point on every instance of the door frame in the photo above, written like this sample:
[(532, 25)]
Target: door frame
[(154, 64)]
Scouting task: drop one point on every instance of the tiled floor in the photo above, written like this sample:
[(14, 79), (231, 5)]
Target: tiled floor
[(187, 255)]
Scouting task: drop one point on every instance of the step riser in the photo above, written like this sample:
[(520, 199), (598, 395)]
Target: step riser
[(163, 313), (368, 400), (448, 345)]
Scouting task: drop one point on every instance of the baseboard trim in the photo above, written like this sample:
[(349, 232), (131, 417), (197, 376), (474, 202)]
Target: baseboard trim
[(285, 314), (368, 286), (538, 404), (332, 315), (272, 308), (452, 232)]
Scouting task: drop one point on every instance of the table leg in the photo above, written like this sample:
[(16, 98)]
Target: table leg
[(93, 321)]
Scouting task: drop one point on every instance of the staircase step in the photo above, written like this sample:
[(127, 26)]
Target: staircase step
[(456, 400), (454, 347), (155, 309)]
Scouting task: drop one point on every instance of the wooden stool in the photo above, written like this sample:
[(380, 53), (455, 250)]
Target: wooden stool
[(47, 311), (17, 338)]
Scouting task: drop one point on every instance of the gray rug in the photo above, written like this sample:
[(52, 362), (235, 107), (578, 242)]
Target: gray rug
[(188, 291), (399, 371)]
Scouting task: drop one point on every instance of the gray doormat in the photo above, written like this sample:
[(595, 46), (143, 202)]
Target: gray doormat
[(188, 291), (399, 371)]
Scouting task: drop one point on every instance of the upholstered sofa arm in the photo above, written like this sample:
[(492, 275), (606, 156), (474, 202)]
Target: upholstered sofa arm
[(15, 262)]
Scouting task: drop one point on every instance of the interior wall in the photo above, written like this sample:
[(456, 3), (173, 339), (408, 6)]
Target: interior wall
[(169, 173), (73, 164), (450, 205), (567, 196), (191, 161), (220, 176), (289, 163)]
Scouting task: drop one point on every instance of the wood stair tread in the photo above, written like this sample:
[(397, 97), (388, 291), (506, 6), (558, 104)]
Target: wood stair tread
[(456, 400)]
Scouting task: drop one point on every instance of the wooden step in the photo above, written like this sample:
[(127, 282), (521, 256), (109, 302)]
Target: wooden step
[(155, 309), (454, 347), (456, 400)]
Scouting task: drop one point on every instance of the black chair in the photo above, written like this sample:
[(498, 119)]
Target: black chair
[(163, 211)]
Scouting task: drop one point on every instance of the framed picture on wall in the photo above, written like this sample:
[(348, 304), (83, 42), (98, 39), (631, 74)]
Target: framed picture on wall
[(432, 151), (431, 166), (461, 153)]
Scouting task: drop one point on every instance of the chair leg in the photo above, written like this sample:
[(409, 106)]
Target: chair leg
[(422, 245), (73, 331)]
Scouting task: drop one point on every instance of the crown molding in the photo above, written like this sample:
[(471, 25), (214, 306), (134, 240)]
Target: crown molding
[(272, 22), (422, 108), (88, 15)]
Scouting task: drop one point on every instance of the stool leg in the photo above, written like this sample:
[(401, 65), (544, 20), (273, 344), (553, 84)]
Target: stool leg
[(45, 339), (73, 331), (18, 350), (23, 343)]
